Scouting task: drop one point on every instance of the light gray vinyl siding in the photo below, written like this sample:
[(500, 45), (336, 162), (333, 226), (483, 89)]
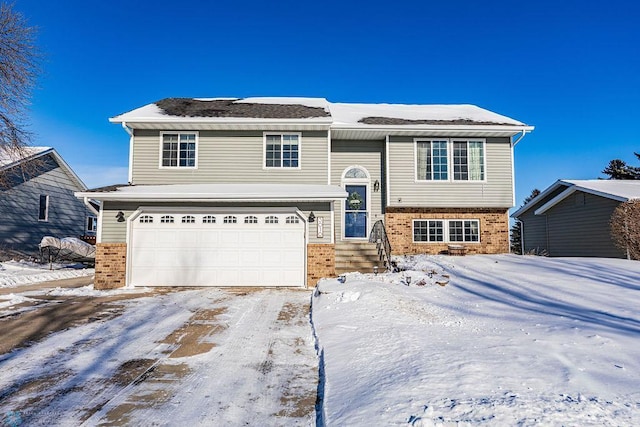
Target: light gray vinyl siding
[(116, 232), (369, 155), (496, 191), (19, 207), (229, 157), (579, 226)]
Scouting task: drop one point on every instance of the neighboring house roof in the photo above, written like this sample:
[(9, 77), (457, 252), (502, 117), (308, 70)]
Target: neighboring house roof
[(214, 112), (9, 159), (221, 192), (620, 190)]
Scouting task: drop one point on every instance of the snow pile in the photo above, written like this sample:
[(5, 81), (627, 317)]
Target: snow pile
[(17, 273), (505, 340)]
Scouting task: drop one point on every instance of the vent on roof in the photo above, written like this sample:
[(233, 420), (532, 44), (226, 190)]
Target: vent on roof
[(188, 107)]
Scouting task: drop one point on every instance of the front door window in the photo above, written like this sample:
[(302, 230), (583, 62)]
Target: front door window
[(355, 211)]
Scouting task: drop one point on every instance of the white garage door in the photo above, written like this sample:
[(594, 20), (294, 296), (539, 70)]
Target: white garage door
[(229, 249)]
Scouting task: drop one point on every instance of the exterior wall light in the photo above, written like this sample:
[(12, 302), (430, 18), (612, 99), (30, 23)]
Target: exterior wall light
[(376, 186), (120, 216), (312, 217)]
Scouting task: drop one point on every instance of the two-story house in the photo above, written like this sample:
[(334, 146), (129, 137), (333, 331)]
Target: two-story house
[(266, 191)]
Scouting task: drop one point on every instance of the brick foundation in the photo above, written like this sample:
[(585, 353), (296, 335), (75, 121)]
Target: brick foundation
[(111, 260), (494, 229), (321, 262)]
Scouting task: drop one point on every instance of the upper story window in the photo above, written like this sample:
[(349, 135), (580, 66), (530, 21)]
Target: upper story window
[(282, 150), (432, 160), (468, 160), (179, 149), (436, 158)]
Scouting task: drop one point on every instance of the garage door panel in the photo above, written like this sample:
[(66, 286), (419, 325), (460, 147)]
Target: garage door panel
[(218, 254)]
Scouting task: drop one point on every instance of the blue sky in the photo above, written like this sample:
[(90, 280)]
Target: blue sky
[(570, 68)]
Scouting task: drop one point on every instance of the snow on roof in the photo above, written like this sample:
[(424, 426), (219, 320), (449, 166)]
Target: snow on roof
[(620, 190), (612, 188), (12, 157), (243, 192), (415, 114), (340, 114)]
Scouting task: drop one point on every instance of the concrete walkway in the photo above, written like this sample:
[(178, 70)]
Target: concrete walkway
[(74, 282)]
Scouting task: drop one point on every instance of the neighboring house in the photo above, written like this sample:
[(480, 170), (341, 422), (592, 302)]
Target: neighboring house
[(571, 218), (37, 199), (282, 191)]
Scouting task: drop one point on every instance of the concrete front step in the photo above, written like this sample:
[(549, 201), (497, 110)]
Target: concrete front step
[(357, 256)]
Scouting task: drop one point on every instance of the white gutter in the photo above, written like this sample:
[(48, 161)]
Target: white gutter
[(130, 132), (524, 132), (90, 206)]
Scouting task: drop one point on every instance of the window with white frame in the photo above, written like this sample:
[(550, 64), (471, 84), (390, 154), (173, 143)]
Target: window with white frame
[(146, 219), (43, 208), (230, 219), (436, 157), (468, 160), (292, 219), (179, 149), (250, 219), (188, 219), (432, 160), (208, 219), (271, 219), (92, 223), (282, 150), (166, 219), (446, 231)]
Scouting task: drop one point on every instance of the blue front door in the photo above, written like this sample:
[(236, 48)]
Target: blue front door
[(355, 211)]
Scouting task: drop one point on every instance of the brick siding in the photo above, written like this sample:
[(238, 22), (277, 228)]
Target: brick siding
[(494, 229), (111, 260), (321, 262)]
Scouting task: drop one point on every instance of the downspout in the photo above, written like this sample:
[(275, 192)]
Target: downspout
[(90, 206), (514, 143), (130, 132), (513, 166)]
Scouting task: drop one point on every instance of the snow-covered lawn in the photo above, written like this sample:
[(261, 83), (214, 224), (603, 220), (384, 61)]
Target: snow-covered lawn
[(509, 340), (18, 273), (452, 341)]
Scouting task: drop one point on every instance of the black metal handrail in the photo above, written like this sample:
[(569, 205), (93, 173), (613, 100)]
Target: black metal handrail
[(378, 236)]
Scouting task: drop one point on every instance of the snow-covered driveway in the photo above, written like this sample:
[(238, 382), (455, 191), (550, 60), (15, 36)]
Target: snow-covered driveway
[(195, 357)]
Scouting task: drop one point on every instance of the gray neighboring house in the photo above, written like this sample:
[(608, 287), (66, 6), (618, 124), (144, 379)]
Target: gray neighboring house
[(571, 218), (37, 199)]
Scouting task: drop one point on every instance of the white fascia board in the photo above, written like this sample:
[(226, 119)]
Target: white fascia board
[(539, 197), (132, 122), (169, 197), (569, 191), (506, 129), (551, 203)]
